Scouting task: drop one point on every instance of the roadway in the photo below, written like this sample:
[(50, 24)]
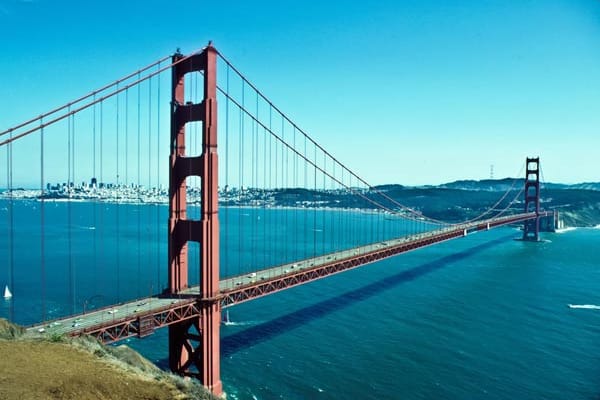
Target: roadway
[(140, 317)]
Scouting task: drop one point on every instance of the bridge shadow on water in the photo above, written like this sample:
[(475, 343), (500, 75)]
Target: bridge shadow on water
[(259, 333)]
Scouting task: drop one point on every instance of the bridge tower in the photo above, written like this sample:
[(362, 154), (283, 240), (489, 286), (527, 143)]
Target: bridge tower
[(531, 229), (194, 344)]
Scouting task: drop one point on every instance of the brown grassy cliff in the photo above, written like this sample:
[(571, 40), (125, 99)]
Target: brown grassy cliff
[(60, 368)]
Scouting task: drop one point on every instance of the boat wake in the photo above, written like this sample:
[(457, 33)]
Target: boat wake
[(228, 322), (563, 230), (587, 306), (241, 323), (85, 227)]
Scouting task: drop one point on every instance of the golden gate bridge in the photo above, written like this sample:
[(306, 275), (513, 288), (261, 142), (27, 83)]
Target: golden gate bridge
[(266, 168)]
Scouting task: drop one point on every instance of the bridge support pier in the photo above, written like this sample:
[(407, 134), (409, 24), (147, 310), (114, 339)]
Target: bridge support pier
[(194, 347), (194, 344), (531, 228)]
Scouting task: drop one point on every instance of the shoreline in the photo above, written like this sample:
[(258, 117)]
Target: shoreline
[(222, 204), (577, 219)]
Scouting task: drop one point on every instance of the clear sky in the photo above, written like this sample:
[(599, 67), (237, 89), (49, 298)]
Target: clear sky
[(411, 92)]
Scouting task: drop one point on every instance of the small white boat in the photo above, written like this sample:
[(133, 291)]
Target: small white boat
[(7, 293)]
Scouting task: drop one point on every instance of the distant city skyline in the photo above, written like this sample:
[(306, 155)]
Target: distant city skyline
[(412, 92)]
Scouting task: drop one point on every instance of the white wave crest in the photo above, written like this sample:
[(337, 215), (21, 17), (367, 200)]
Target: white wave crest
[(588, 306)]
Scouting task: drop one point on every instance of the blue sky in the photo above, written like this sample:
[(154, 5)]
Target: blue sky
[(412, 92)]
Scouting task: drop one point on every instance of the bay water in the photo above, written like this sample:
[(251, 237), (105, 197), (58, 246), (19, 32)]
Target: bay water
[(481, 317)]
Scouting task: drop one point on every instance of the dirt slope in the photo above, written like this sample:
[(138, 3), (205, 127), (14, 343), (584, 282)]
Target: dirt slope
[(81, 369)]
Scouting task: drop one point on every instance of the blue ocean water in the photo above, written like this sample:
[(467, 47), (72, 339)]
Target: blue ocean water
[(482, 317)]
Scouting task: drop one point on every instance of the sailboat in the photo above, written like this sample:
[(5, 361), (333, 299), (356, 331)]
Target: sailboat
[(7, 293)]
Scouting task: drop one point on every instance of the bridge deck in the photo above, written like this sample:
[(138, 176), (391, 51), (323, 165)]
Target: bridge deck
[(141, 317)]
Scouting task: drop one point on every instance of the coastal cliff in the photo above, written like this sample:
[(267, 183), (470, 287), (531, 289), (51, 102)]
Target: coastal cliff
[(82, 368)]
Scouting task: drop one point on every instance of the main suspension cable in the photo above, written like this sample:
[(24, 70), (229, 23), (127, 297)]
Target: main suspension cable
[(94, 101), (80, 99)]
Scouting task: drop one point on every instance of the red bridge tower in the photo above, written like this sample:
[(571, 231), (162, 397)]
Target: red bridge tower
[(194, 343), (531, 229)]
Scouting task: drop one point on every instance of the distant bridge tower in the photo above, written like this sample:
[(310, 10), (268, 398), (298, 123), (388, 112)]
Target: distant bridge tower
[(531, 229), (194, 344)]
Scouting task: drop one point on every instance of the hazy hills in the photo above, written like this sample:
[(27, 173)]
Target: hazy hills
[(578, 204), (502, 185)]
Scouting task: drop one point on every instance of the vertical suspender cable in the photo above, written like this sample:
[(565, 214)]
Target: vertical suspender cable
[(95, 202), (255, 163), (145, 208), (42, 226), (252, 185), (139, 183), (314, 206), (118, 207), (350, 213), (126, 181), (271, 184), (101, 188), (284, 186), (372, 220), (375, 221), (254, 170), (264, 186), (149, 218), (158, 163), (277, 190), (252, 210), (336, 226), (382, 224), (239, 225), (74, 263), (304, 212), (11, 221), (295, 172), (227, 188), (126, 178), (355, 215), (70, 219), (241, 161), (378, 225), (73, 151), (138, 188), (324, 232), (345, 220), (334, 214)]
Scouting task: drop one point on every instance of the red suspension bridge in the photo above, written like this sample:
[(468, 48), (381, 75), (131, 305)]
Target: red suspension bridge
[(291, 212)]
